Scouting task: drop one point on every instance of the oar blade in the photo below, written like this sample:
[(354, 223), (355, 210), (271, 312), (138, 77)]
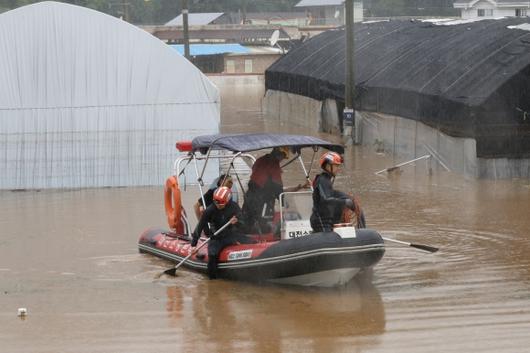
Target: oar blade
[(428, 248), (391, 169), (171, 272)]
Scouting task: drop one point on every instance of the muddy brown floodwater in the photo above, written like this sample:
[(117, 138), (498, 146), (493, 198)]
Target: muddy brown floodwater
[(70, 257)]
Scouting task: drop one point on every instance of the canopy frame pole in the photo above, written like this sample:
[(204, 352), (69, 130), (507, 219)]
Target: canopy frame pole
[(290, 161), (305, 170), (193, 157), (315, 150), (199, 179), (235, 171)]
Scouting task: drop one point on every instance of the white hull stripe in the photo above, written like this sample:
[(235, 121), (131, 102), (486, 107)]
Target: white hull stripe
[(271, 260)]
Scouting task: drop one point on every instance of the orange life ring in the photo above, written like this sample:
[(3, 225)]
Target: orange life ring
[(173, 205)]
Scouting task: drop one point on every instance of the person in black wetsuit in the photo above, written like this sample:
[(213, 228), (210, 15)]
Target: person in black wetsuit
[(220, 212), (327, 202)]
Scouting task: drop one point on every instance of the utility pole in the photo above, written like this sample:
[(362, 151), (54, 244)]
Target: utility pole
[(349, 84), (126, 11), (244, 6), (185, 29)]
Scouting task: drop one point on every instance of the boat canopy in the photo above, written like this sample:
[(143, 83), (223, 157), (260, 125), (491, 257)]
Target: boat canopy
[(254, 142)]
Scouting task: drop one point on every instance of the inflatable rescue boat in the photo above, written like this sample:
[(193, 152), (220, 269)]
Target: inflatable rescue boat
[(289, 253)]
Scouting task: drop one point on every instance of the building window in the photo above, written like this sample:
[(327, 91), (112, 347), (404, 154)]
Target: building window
[(230, 66), (484, 12), (248, 66), (520, 12)]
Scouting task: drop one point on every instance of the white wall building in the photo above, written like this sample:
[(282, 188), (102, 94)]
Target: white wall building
[(88, 100), (492, 8)]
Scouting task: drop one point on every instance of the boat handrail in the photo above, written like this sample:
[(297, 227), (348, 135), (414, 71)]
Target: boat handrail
[(193, 157), (176, 165)]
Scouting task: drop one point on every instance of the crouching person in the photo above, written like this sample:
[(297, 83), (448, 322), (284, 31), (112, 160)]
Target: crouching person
[(219, 213)]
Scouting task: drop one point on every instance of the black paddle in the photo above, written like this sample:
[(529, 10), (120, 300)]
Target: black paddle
[(361, 223), (173, 271), (428, 248)]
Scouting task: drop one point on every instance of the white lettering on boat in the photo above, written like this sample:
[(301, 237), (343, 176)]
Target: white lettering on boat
[(299, 233), (296, 229), (240, 255)]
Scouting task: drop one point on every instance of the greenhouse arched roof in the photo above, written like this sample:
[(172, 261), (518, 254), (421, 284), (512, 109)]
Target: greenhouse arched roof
[(90, 100)]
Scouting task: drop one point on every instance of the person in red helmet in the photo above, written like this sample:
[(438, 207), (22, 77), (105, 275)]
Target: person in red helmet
[(199, 206), (220, 212), (327, 202)]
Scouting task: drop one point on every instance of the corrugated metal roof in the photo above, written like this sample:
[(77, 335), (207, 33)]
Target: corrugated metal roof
[(238, 35), (306, 3), (196, 19), (498, 2), (211, 49), (275, 15)]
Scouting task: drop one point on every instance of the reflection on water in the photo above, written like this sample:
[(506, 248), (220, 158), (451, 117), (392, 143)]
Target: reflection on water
[(71, 258), (239, 317)]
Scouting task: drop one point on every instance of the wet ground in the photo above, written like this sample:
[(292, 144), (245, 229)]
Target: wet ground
[(70, 257)]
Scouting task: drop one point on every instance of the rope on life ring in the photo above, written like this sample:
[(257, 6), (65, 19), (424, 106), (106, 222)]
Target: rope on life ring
[(173, 205)]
